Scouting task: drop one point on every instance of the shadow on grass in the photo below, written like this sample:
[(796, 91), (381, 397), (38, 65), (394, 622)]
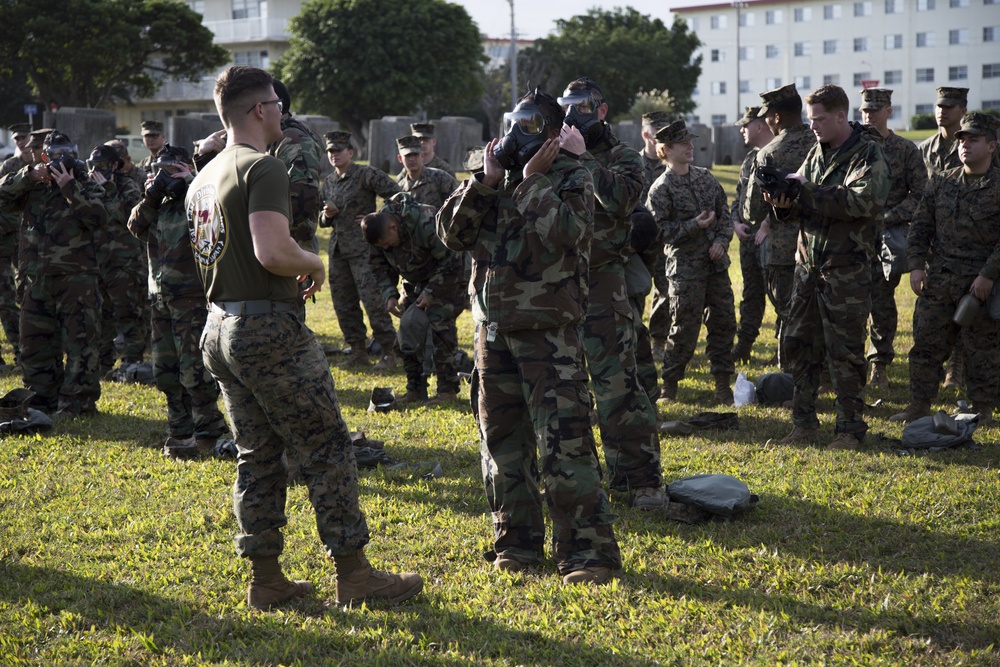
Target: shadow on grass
[(165, 626), (826, 535)]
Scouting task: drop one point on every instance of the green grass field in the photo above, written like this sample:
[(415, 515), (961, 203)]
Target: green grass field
[(111, 554)]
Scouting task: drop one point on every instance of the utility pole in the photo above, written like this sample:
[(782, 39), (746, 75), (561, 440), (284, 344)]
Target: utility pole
[(739, 16), (513, 58)]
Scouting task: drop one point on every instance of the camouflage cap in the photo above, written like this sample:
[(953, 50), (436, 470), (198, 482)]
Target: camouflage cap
[(952, 97), (422, 130), (151, 127), (656, 119), (787, 92), (475, 159), (979, 123), (875, 99), (408, 144), (750, 114), (38, 137), (674, 133), (338, 140), (19, 130)]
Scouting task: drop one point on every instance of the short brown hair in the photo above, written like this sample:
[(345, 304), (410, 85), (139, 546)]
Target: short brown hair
[(238, 88), (833, 98)]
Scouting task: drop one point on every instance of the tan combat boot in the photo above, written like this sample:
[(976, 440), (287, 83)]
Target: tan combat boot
[(954, 374), (357, 580), (915, 410), (269, 587), (358, 358), (668, 393), (800, 436), (597, 574), (723, 393), (879, 378), (985, 411)]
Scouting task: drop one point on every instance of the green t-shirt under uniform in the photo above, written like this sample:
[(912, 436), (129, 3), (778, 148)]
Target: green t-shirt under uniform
[(238, 182)]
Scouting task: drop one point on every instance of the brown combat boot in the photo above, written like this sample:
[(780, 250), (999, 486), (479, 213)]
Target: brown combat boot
[(915, 410), (358, 358), (387, 363), (668, 392), (269, 587), (444, 397), (357, 580), (596, 574), (723, 393), (413, 397), (847, 441), (879, 378), (800, 436)]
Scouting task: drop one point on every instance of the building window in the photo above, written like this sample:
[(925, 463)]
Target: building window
[(246, 9), (718, 56), (803, 82), (803, 14), (772, 51), (958, 3), (718, 22), (772, 83), (924, 108), (893, 42), (831, 79), (831, 12), (991, 71), (718, 87), (958, 73), (857, 115), (925, 39), (802, 49), (990, 33), (831, 46), (774, 17), (926, 5), (256, 58), (862, 9), (960, 36), (746, 19), (861, 44), (693, 24), (893, 76), (746, 53), (925, 75), (197, 5), (718, 119), (990, 105), (744, 85), (893, 6), (861, 76)]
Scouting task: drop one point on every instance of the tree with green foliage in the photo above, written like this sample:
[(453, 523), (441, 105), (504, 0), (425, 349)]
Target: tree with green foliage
[(355, 60), (626, 52), (90, 53)]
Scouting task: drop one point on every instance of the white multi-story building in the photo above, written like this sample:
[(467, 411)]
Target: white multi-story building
[(254, 31), (910, 46)]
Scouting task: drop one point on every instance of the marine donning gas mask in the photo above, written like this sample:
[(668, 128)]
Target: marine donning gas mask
[(581, 107), (524, 134)]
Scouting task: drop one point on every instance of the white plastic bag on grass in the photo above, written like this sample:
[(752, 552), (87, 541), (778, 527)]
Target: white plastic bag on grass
[(744, 392)]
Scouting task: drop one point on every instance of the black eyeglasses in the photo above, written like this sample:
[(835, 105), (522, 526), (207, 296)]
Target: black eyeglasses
[(277, 102)]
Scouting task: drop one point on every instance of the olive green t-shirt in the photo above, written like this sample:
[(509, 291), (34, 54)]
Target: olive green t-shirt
[(238, 182)]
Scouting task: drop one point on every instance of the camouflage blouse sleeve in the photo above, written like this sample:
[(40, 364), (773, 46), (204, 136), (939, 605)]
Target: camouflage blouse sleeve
[(923, 228), (916, 180), (861, 197), (385, 275), (560, 215), (723, 227), (142, 217), (618, 185), (460, 218)]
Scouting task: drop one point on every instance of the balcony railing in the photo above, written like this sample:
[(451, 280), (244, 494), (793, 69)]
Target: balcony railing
[(172, 91), (249, 30)]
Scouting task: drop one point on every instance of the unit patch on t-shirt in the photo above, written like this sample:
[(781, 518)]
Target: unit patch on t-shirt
[(207, 226)]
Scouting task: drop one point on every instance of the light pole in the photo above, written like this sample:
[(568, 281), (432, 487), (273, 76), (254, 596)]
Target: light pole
[(513, 57), (739, 15)]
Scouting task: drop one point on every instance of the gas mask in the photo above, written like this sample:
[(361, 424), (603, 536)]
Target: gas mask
[(581, 108), (524, 134), (101, 162)]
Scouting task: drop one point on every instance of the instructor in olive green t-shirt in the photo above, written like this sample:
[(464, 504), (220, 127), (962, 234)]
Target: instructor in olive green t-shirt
[(278, 391)]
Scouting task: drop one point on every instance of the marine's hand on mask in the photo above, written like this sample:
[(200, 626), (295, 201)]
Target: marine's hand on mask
[(571, 140), (493, 172), (541, 162)]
